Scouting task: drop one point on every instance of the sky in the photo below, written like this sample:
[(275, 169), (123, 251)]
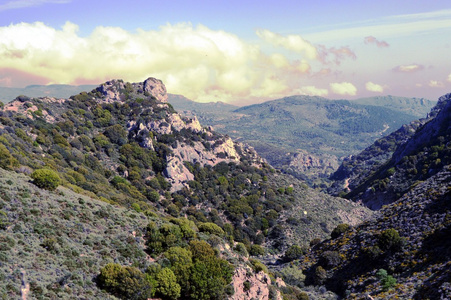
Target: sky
[(238, 52)]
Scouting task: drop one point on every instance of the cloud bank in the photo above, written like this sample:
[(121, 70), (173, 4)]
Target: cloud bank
[(200, 63)]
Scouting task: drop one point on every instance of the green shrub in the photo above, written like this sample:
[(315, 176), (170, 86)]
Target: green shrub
[(387, 281), (257, 250), (340, 229), (390, 239), (46, 179), (293, 252), (124, 282), (211, 228)]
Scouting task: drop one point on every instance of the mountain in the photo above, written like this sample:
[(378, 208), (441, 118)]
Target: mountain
[(386, 170), (418, 107), (52, 90), (131, 200), (309, 136), (403, 252)]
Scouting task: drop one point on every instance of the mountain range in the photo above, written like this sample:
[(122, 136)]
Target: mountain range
[(112, 194), (305, 136)]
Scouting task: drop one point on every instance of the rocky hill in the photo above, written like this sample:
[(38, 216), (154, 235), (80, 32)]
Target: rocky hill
[(386, 170), (124, 159), (308, 136), (403, 254)]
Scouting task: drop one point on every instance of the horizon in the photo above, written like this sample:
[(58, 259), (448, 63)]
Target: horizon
[(234, 52)]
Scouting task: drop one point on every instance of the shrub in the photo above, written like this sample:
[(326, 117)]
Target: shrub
[(330, 259), (46, 179), (340, 229), (390, 239), (124, 282), (293, 275), (293, 252), (167, 286), (387, 281), (7, 161), (211, 228), (257, 250)]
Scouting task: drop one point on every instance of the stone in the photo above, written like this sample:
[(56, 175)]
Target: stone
[(156, 88)]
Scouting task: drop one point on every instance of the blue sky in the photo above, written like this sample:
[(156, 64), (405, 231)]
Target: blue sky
[(233, 51)]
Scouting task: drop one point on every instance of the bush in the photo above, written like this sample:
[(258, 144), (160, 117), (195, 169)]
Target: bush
[(294, 252), (387, 281), (124, 282), (390, 239), (340, 229), (257, 250), (46, 179), (211, 228)]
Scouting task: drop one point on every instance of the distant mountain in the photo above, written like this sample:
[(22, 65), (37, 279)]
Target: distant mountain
[(413, 106), (53, 90), (309, 136)]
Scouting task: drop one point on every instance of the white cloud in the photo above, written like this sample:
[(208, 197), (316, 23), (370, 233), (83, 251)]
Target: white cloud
[(408, 68), (373, 87), (29, 3), (293, 43), (343, 88), (449, 78), (200, 63), (436, 84)]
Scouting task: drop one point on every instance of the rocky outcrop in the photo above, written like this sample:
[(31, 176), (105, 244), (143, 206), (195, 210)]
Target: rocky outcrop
[(156, 88), (255, 286), (113, 90)]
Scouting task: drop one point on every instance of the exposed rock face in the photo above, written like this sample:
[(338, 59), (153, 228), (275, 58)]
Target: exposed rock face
[(258, 285), (111, 90), (208, 148), (156, 88)]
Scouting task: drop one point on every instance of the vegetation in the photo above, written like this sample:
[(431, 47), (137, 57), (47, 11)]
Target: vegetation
[(46, 179)]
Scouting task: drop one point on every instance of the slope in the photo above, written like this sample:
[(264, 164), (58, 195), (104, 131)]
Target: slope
[(386, 170), (123, 144)]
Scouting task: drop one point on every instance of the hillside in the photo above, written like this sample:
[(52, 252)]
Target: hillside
[(182, 188), (409, 242), (404, 251), (309, 136), (386, 170)]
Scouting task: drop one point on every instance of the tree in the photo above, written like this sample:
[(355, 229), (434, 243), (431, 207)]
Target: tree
[(167, 286), (124, 282), (46, 179), (209, 278)]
